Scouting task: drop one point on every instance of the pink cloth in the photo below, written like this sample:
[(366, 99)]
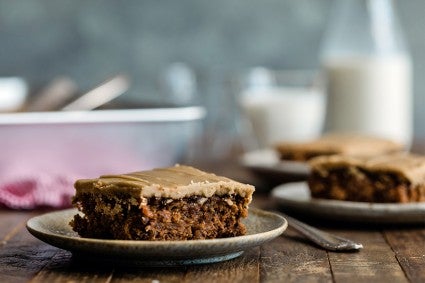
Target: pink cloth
[(30, 191), (45, 177)]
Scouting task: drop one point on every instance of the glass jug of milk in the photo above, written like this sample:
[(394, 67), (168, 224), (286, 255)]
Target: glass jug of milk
[(368, 71)]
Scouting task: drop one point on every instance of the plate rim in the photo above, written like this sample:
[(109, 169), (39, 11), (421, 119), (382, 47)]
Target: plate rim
[(276, 166), (244, 240), (387, 212)]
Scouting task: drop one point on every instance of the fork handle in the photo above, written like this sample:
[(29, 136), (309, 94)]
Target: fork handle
[(321, 238)]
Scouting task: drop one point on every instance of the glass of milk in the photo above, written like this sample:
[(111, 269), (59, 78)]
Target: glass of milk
[(285, 105), (368, 71)]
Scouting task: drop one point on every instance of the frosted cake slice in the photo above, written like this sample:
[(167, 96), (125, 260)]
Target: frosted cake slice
[(393, 178), (345, 144), (175, 203)]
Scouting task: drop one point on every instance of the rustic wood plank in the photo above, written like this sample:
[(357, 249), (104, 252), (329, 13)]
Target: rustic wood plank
[(19, 263), (375, 263), (242, 269), (22, 256), (149, 275), (11, 222), (290, 259), (409, 247), (64, 268)]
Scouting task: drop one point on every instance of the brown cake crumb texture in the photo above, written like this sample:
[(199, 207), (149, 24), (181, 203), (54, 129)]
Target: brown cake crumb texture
[(113, 212), (385, 179)]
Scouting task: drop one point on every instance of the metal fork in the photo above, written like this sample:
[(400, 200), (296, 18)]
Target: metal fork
[(321, 238)]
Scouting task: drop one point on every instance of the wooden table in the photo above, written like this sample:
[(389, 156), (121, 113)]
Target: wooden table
[(390, 254)]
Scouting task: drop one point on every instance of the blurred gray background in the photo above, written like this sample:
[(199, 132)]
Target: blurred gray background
[(92, 40)]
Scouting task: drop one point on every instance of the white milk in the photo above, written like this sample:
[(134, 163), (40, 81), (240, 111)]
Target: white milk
[(371, 96), (284, 113)]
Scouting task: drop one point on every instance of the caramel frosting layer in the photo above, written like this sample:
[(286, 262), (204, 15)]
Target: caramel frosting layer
[(172, 182), (347, 144), (409, 166)]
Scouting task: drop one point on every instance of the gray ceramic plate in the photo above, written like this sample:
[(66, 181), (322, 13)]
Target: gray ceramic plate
[(296, 196), (53, 228), (266, 163)]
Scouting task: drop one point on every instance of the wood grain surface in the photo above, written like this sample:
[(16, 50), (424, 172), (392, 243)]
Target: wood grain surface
[(390, 254)]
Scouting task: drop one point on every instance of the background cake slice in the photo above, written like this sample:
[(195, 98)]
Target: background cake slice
[(175, 203), (346, 144), (388, 178)]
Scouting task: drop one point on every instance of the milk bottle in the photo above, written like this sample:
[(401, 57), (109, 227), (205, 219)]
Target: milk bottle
[(281, 105), (368, 71)]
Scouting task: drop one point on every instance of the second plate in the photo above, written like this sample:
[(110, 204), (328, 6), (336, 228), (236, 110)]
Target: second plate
[(296, 196), (265, 163)]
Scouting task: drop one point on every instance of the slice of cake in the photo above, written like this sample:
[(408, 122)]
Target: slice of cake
[(175, 203), (390, 178), (346, 144)]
